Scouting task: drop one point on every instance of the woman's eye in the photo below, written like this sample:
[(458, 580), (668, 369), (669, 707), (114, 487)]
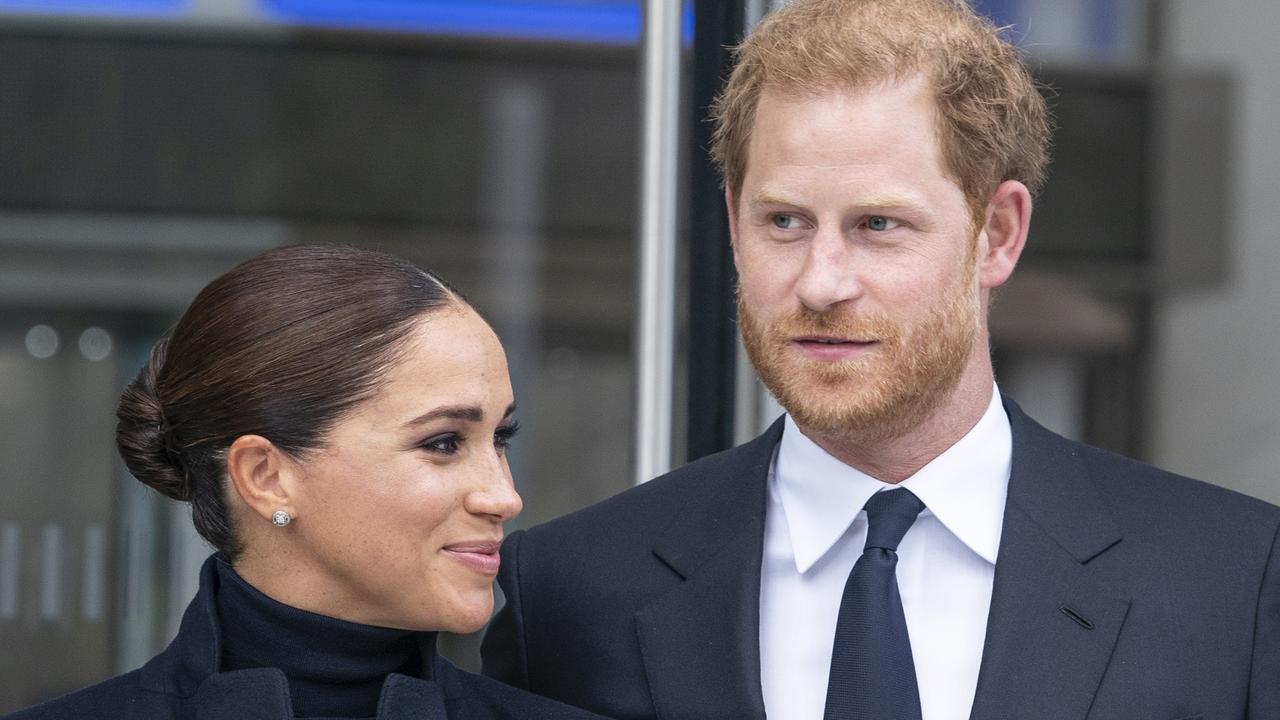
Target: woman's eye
[(503, 435), (880, 223), (446, 444)]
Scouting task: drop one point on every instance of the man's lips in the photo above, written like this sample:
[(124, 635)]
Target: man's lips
[(824, 347), (831, 340), (478, 555)]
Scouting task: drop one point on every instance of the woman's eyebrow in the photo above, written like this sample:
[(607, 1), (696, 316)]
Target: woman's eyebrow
[(469, 413)]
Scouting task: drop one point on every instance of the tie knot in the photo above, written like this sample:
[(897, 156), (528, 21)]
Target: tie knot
[(889, 516)]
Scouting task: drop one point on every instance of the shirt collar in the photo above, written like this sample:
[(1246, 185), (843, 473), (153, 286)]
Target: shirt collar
[(964, 488)]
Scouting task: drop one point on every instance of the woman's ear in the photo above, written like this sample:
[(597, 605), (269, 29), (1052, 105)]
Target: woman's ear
[(1004, 233), (261, 474)]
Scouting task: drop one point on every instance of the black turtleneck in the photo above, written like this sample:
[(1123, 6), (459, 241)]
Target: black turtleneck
[(335, 668)]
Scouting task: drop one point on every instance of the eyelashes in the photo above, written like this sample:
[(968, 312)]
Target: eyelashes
[(503, 436), (443, 444), (450, 443)]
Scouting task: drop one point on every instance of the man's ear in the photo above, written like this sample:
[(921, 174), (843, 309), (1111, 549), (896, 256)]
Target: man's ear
[(731, 206), (261, 475), (1004, 233)]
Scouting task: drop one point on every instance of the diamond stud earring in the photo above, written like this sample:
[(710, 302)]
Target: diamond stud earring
[(280, 518)]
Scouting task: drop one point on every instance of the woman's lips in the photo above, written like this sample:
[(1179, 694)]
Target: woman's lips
[(832, 349), (480, 556)]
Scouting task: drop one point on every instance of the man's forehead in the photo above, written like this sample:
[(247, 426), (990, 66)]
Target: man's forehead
[(868, 138), (779, 109), (796, 90)]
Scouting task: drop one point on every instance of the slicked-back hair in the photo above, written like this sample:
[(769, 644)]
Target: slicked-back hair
[(281, 346)]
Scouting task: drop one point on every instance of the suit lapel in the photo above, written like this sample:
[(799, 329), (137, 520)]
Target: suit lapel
[(1052, 627), (700, 641)]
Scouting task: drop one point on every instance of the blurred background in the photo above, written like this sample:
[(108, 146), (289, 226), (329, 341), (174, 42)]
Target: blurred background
[(147, 146)]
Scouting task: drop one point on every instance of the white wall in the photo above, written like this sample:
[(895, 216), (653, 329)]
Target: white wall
[(1216, 387)]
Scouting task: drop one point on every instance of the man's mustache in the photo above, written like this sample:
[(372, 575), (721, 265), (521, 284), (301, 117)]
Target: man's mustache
[(809, 323)]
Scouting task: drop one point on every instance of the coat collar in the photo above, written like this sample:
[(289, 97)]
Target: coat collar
[(1052, 625), (263, 694), (189, 671), (700, 641)]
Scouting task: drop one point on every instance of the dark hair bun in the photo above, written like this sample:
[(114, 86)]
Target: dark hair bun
[(142, 435)]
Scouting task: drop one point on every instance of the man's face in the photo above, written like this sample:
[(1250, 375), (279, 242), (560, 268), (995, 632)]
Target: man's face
[(856, 257)]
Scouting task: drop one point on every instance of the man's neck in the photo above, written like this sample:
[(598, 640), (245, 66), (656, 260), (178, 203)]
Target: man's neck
[(899, 458)]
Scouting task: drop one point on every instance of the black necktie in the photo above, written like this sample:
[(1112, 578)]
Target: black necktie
[(872, 674)]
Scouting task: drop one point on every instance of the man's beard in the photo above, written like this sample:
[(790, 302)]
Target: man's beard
[(879, 395)]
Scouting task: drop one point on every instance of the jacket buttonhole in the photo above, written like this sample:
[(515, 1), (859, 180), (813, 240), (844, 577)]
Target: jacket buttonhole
[(1080, 620)]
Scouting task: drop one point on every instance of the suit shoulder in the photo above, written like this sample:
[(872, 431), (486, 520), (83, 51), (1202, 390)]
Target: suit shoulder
[(1132, 488), (1143, 496), (1169, 490), (114, 699)]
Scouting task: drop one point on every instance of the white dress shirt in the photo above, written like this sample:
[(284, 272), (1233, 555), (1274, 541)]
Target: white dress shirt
[(814, 532)]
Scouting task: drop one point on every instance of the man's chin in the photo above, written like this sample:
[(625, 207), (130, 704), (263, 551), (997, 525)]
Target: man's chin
[(856, 410), (832, 407)]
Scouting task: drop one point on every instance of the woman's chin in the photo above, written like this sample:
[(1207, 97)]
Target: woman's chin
[(469, 624), (467, 615)]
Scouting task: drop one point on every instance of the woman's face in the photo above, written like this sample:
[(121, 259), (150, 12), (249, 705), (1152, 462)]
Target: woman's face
[(399, 516)]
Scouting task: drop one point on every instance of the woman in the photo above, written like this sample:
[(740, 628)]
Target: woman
[(338, 420)]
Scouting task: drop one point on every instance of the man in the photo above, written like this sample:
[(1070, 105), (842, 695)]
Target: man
[(904, 543)]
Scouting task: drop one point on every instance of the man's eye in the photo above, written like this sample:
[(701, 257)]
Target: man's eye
[(786, 222), (446, 444), (880, 223)]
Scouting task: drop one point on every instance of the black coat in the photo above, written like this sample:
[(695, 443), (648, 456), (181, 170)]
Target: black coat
[(647, 605), (184, 683)]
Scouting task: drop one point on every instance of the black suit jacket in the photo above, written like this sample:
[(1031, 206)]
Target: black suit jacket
[(184, 683), (1121, 593)]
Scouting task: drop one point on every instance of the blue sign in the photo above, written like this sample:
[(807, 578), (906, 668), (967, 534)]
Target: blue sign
[(121, 8), (603, 21)]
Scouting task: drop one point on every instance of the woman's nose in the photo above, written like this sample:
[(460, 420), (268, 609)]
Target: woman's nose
[(496, 496)]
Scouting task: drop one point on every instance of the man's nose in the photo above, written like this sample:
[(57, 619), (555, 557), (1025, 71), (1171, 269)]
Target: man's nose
[(830, 273)]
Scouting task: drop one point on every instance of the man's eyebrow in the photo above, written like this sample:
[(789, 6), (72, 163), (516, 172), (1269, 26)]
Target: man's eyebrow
[(765, 197), (887, 201), (469, 413)]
